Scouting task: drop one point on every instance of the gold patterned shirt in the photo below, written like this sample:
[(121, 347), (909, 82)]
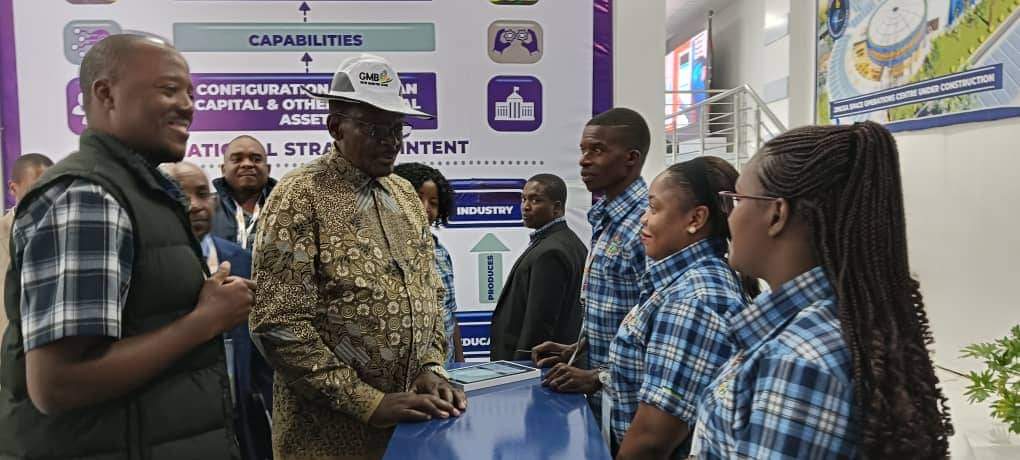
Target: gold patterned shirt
[(346, 308)]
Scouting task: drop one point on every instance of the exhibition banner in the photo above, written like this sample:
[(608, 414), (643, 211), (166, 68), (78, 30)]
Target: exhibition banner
[(916, 64), (511, 84)]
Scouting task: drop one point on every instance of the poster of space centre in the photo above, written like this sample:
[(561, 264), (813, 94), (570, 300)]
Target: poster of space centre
[(917, 64), (510, 96)]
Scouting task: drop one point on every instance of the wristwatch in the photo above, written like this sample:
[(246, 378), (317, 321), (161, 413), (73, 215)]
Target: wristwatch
[(605, 378), (436, 369)]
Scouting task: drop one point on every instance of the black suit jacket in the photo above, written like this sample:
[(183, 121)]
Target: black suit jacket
[(540, 299), (253, 376)]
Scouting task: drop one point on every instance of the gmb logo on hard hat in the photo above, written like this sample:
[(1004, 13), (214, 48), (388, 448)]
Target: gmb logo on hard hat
[(375, 78)]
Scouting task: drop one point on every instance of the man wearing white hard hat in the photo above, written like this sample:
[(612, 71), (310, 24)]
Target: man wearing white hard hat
[(348, 309)]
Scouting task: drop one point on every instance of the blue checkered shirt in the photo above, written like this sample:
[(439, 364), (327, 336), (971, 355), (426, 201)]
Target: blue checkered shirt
[(616, 262), (444, 264), (669, 347), (609, 288), (74, 246), (788, 391)]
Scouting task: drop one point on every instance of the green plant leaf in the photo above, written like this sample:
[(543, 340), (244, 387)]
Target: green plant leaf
[(998, 384), (979, 350)]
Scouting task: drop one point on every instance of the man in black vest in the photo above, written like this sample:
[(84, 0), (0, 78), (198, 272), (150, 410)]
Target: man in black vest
[(540, 300), (114, 348)]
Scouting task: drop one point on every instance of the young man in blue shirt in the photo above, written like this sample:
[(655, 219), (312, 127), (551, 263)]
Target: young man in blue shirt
[(614, 145)]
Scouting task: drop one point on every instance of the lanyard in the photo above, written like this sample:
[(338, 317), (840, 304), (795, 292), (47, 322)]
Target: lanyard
[(243, 231), (212, 260), (587, 270), (696, 440), (606, 416), (599, 244), (584, 296)]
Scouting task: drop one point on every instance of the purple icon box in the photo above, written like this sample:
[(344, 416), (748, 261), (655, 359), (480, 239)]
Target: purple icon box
[(514, 103), (270, 102)]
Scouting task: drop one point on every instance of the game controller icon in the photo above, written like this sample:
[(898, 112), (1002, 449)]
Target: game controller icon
[(505, 38)]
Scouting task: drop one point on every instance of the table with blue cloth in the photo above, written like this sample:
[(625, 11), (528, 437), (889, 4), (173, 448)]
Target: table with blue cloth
[(512, 421)]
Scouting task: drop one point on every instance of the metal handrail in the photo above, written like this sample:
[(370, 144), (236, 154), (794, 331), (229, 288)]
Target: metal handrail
[(697, 91), (764, 107), (732, 123), (725, 94)]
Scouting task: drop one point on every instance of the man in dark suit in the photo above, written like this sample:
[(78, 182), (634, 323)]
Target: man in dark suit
[(540, 299), (251, 377)]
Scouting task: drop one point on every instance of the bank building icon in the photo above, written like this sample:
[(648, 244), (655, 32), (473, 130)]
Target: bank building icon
[(515, 108), (514, 103)]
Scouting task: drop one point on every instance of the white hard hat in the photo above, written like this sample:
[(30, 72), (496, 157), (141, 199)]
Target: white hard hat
[(368, 79)]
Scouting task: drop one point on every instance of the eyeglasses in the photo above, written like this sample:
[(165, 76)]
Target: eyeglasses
[(200, 195), (380, 132), (730, 200)]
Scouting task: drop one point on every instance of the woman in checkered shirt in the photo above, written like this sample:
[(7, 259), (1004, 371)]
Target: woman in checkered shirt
[(833, 363), (669, 346)]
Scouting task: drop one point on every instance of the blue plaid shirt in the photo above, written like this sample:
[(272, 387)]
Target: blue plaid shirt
[(668, 348), (616, 262), (788, 391), (609, 288), (74, 246), (444, 264)]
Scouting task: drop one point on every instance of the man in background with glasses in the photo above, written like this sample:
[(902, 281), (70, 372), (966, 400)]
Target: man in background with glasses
[(350, 312), (251, 378)]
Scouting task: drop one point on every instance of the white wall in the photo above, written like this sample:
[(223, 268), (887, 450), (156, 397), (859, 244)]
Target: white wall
[(737, 44), (801, 109), (639, 47), (740, 54), (961, 194), (960, 183), (639, 36), (763, 42)]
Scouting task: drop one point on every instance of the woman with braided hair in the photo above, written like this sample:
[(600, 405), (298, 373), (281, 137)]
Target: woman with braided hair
[(833, 362)]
